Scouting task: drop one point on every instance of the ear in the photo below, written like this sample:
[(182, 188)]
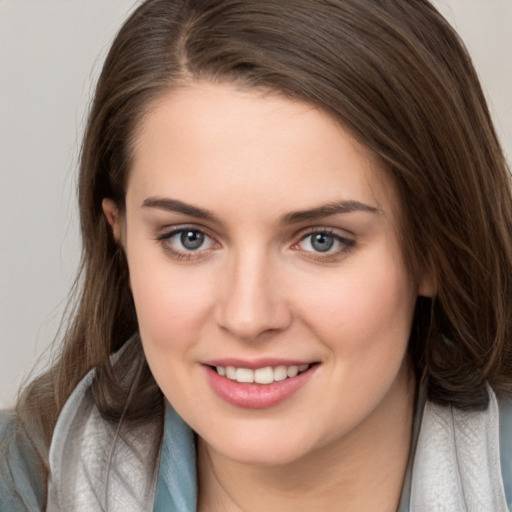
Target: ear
[(111, 211), (428, 286)]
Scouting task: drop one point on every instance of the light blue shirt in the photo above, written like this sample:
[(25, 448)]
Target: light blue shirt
[(22, 483), (177, 480)]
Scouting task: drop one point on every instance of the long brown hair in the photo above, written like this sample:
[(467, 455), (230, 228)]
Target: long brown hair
[(398, 77)]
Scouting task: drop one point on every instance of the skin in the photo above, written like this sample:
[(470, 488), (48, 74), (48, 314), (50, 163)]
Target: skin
[(258, 287)]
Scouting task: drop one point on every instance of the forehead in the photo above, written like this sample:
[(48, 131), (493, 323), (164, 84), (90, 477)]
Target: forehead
[(211, 142)]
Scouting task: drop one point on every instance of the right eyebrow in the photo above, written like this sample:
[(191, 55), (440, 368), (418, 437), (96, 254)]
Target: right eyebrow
[(174, 205)]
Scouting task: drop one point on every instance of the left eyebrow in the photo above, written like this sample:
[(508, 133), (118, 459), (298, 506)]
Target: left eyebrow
[(327, 210)]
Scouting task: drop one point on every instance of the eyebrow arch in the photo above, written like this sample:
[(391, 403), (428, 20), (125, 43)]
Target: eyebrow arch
[(327, 210), (173, 205), (338, 207)]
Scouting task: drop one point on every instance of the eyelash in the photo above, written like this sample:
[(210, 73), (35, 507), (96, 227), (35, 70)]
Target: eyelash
[(345, 244), (165, 240)]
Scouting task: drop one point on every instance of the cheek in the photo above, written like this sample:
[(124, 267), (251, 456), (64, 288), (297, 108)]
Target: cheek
[(368, 308), (171, 301), (171, 310)]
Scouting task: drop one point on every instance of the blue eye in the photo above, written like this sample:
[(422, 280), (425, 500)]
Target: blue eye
[(324, 242), (186, 241), (191, 240)]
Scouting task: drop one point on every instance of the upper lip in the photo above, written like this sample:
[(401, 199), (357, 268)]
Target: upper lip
[(254, 364)]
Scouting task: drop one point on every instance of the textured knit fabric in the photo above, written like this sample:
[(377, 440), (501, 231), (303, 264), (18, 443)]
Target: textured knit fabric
[(457, 461), (456, 455), (97, 466), (506, 448), (22, 477)]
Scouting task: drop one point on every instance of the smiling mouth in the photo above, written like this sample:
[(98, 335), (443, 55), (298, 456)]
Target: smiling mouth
[(266, 375)]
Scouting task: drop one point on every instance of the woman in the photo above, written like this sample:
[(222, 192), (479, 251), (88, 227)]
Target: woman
[(296, 280)]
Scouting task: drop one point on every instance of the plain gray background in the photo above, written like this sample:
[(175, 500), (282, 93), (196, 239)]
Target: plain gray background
[(50, 55)]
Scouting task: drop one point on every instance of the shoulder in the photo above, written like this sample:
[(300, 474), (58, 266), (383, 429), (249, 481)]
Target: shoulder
[(463, 457), (22, 475), (505, 411), (109, 461)]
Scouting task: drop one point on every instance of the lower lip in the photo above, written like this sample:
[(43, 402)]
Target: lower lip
[(256, 396)]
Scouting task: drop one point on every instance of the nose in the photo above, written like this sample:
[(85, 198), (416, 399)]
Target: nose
[(252, 303)]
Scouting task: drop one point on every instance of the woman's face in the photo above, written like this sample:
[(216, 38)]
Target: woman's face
[(261, 242)]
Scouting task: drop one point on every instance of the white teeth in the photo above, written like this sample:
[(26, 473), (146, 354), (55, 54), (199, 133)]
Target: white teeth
[(244, 375), (265, 375), (292, 371), (231, 372), (280, 373)]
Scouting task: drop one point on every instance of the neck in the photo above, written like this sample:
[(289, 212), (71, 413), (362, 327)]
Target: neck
[(360, 473)]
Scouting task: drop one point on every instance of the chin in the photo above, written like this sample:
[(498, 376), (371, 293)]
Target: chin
[(262, 448)]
